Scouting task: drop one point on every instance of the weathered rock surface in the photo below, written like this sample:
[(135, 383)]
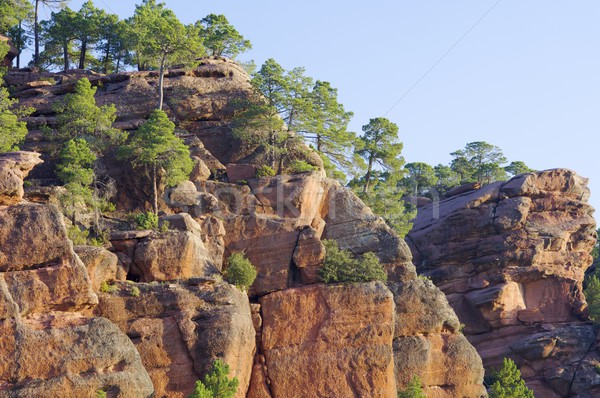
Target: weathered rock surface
[(14, 167), (180, 329), (101, 265), (47, 347), (331, 341), (511, 258)]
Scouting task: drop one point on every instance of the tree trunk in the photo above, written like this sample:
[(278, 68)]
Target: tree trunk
[(161, 78), (19, 45), (66, 55), (36, 34), (82, 54), (154, 190), (318, 143), (368, 175), (105, 68)]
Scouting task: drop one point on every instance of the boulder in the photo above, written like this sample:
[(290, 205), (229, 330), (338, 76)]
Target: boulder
[(511, 259), (101, 265), (14, 167), (172, 255), (330, 340), (180, 329)]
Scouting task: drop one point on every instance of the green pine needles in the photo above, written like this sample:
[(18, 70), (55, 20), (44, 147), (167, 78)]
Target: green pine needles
[(414, 389), (509, 383), (240, 271), (341, 267), (216, 384)]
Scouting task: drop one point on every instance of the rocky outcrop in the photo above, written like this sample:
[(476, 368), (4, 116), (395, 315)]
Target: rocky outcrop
[(14, 167), (48, 347), (511, 258), (331, 341), (179, 329)]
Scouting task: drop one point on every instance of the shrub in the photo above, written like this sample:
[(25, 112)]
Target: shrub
[(134, 291), (300, 166), (414, 389), (100, 394), (265, 171), (77, 235), (508, 382), (341, 267), (105, 287), (147, 220), (240, 271), (216, 384)]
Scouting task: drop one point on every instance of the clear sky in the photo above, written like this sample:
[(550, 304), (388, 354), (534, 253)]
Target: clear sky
[(521, 74)]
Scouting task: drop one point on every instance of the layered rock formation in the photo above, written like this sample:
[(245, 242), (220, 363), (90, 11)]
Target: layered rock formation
[(511, 259), (360, 340), (48, 347)]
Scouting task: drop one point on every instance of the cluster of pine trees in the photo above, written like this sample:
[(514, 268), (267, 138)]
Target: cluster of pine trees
[(288, 107)]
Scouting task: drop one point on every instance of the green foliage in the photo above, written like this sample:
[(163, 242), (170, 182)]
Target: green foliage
[(79, 117), (592, 296), (101, 394), (216, 384), (240, 271), (161, 40), (220, 37), (300, 166), (77, 236), (508, 382), (421, 177), (12, 131), (446, 178), (414, 389), (517, 167), (75, 171), (380, 146), (146, 220), (264, 171), (155, 146), (479, 161), (11, 12), (105, 287), (59, 35), (134, 291), (341, 267)]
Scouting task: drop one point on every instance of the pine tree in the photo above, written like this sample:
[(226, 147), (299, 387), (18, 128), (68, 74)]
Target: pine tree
[(220, 37), (59, 39), (509, 383), (155, 146), (380, 146), (592, 296), (78, 116), (12, 131), (479, 161), (216, 384), (162, 40), (421, 176), (75, 171)]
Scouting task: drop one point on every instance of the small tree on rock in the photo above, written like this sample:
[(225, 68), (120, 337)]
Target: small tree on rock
[(154, 146), (509, 383), (216, 384), (414, 389)]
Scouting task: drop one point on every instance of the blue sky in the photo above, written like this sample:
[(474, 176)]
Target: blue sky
[(526, 77)]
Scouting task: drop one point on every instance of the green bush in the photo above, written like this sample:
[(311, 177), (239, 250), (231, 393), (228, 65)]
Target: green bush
[(414, 389), (341, 267), (265, 171), (100, 394), (300, 166), (77, 235), (134, 291), (147, 220), (240, 271), (508, 382), (216, 384), (105, 287)]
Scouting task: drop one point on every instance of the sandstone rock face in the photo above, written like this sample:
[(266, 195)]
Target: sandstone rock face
[(48, 348), (101, 265), (511, 259), (14, 167), (180, 329), (329, 341)]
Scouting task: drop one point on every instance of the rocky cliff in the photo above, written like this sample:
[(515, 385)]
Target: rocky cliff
[(162, 295), (511, 259)]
